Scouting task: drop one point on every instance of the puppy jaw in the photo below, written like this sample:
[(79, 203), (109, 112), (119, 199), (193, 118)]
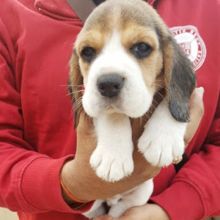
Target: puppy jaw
[(137, 93)]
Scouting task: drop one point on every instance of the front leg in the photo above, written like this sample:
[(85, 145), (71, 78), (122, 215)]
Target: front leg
[(112, 159), (162, 141)]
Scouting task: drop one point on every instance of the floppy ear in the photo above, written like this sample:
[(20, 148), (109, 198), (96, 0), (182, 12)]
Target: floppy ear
[(179, 79), (75, 86)]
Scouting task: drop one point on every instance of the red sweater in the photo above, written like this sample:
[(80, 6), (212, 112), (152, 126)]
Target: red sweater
[(36, 125)]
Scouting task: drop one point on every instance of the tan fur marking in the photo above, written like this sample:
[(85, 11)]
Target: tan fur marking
[(132, 34)]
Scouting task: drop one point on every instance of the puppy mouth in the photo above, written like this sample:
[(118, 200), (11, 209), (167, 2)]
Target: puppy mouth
[(112, 105)]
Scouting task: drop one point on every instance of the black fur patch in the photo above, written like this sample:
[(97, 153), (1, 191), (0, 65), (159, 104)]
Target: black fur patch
[(182, 84)]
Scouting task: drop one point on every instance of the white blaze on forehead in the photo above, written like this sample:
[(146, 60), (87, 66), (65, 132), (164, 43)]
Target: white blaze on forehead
[(113, 57), (115, 54), (134, 99)]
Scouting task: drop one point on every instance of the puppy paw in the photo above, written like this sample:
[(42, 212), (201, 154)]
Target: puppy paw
[(111, 166), (161, 150), (162, 141)]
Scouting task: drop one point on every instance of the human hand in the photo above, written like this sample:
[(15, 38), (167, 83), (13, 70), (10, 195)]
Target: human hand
[(196, 113), (145, 212), (80, 178)]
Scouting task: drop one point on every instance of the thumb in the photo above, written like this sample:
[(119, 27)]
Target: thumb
[(196, 113), (196, 103), (85, 124)]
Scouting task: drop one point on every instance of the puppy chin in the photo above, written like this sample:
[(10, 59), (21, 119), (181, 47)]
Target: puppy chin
[(138, 109), (95, 110)]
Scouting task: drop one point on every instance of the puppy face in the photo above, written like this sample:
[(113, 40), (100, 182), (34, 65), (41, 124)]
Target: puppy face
[(123, 56)]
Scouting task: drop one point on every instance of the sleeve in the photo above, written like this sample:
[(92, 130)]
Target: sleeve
[(29, 181), (195, 191)]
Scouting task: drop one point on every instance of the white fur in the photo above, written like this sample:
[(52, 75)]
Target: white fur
[(122, 202), (96, 210), (135, 197), (162, 141), (112, 158)]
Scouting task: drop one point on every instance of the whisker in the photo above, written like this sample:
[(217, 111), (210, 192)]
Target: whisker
[(77, 104), (75, 92), (75, 109), (76, 85), (67, 85)]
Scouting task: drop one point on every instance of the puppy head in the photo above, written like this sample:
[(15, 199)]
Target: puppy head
[(123, 56)]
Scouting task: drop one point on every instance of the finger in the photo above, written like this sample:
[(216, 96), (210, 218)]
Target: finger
[(197, 97), (196, 113), (85, 124), (200, 91), (177, 159), (86, 138)]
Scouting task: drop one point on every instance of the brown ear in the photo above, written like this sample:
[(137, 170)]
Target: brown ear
[(75, 86), (179, 79)]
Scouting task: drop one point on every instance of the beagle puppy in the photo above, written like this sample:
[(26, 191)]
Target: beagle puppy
[(124, 59)]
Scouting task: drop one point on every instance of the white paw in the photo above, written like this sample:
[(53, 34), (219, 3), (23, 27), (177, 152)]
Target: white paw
[(111, 166), (161, 149), (114, 200), (96, 210), (134, 197), (162, 141), (117, 210)]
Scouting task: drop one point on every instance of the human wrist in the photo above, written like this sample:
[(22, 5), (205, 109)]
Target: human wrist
[(71, 186), (68, 196)]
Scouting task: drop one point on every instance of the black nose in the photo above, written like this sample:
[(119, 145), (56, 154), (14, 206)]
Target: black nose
[(110, 85)]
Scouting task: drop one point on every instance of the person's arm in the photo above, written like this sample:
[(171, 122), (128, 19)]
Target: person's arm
[(30, 181), (26, 176)]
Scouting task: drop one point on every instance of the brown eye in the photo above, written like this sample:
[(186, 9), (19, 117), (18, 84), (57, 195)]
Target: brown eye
[(141, 50), (88, 54)]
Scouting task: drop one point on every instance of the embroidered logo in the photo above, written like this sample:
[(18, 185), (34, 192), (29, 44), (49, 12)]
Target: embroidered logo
[(191, 42)]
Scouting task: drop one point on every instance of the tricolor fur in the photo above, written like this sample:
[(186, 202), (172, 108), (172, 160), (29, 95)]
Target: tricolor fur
[(124, 57)]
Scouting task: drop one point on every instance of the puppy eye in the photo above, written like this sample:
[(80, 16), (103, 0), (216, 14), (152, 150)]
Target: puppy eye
[(88, 54), (141, 50)]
